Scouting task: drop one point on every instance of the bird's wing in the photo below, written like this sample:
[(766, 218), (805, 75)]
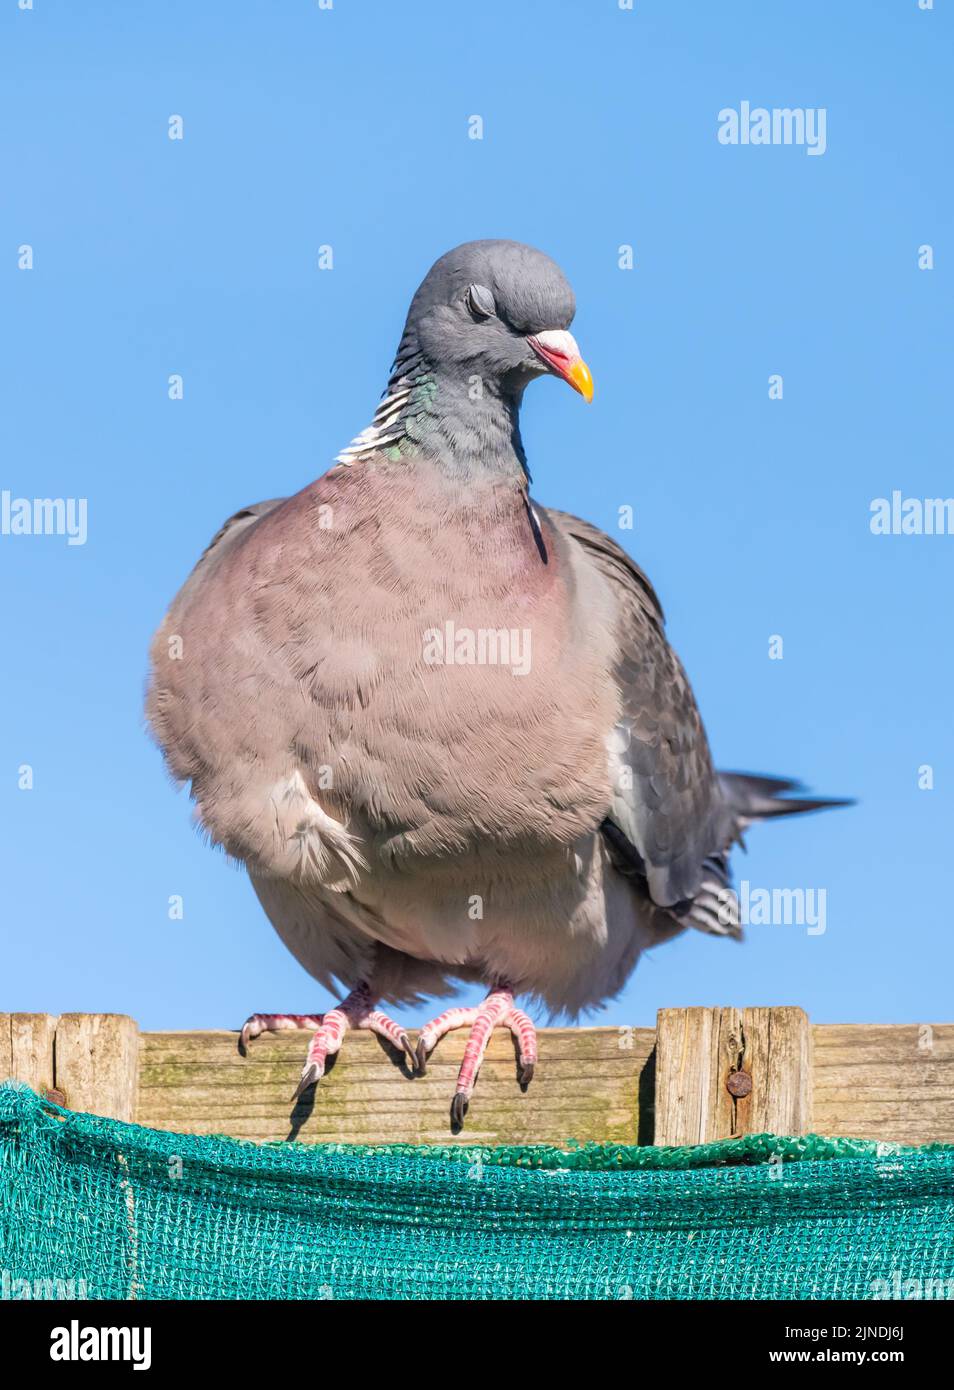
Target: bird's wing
[(238, 522), (237, 525), (230, 530), (668, 821)]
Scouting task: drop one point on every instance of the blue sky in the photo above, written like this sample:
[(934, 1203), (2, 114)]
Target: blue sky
[(306, 127)]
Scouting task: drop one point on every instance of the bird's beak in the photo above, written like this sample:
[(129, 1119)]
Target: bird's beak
[(557, 348)]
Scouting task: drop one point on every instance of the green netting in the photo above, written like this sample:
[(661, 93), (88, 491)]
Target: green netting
[(124, 1212)]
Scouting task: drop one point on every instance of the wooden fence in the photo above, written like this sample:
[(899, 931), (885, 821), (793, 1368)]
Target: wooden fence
[(700, 1074)]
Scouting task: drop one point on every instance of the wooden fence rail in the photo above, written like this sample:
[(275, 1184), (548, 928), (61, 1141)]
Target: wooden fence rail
[(701, 1074)]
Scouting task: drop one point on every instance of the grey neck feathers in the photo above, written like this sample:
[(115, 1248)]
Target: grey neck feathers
[(468, 430)]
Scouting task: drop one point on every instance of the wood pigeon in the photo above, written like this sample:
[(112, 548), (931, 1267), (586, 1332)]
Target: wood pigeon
[(440, 724)]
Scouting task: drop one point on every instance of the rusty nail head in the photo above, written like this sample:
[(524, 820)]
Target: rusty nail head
[(55, 1096), (739, 1084)]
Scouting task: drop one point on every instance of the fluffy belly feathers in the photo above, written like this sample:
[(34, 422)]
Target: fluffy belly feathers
[(334, 731)]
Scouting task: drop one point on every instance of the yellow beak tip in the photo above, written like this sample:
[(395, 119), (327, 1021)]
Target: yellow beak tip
[(581, 380)]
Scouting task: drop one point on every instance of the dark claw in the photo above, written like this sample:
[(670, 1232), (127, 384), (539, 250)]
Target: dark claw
[(409, 1049), (245, 1037), (310, 1076), (524, 1074), (420, 1058), (458, 1110)]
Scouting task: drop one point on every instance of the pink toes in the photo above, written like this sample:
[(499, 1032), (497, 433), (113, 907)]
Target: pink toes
[(496, 1011), (257, 1024), (356, 1011), (493, 1011), (385, 1027), (329, 1029), (325, 1043), (435, 1030), (523, 1030)]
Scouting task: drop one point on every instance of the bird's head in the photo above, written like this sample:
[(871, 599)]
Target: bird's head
[(496, 313), (488, 318)]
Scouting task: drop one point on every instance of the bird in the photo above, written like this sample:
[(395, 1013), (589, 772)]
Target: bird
[(441, 724)]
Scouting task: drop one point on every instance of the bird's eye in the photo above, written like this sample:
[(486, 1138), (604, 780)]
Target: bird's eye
[(480, 302)]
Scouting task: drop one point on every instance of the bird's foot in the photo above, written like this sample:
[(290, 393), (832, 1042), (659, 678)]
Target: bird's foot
[(329, 1029), (497, 1011)]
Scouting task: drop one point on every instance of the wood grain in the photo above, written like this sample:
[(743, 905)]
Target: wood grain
[(885, 1081), (873, 1081), (587, 1087), (697, 1050), (97, 1059), (26, 1049)]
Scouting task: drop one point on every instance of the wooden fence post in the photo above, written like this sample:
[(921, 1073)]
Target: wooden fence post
[(97, 1063), (26, 1049), (612, 1085), (721, 1073)]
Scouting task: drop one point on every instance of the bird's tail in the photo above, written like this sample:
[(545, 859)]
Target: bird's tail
[(715, 908), (756, 798)]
